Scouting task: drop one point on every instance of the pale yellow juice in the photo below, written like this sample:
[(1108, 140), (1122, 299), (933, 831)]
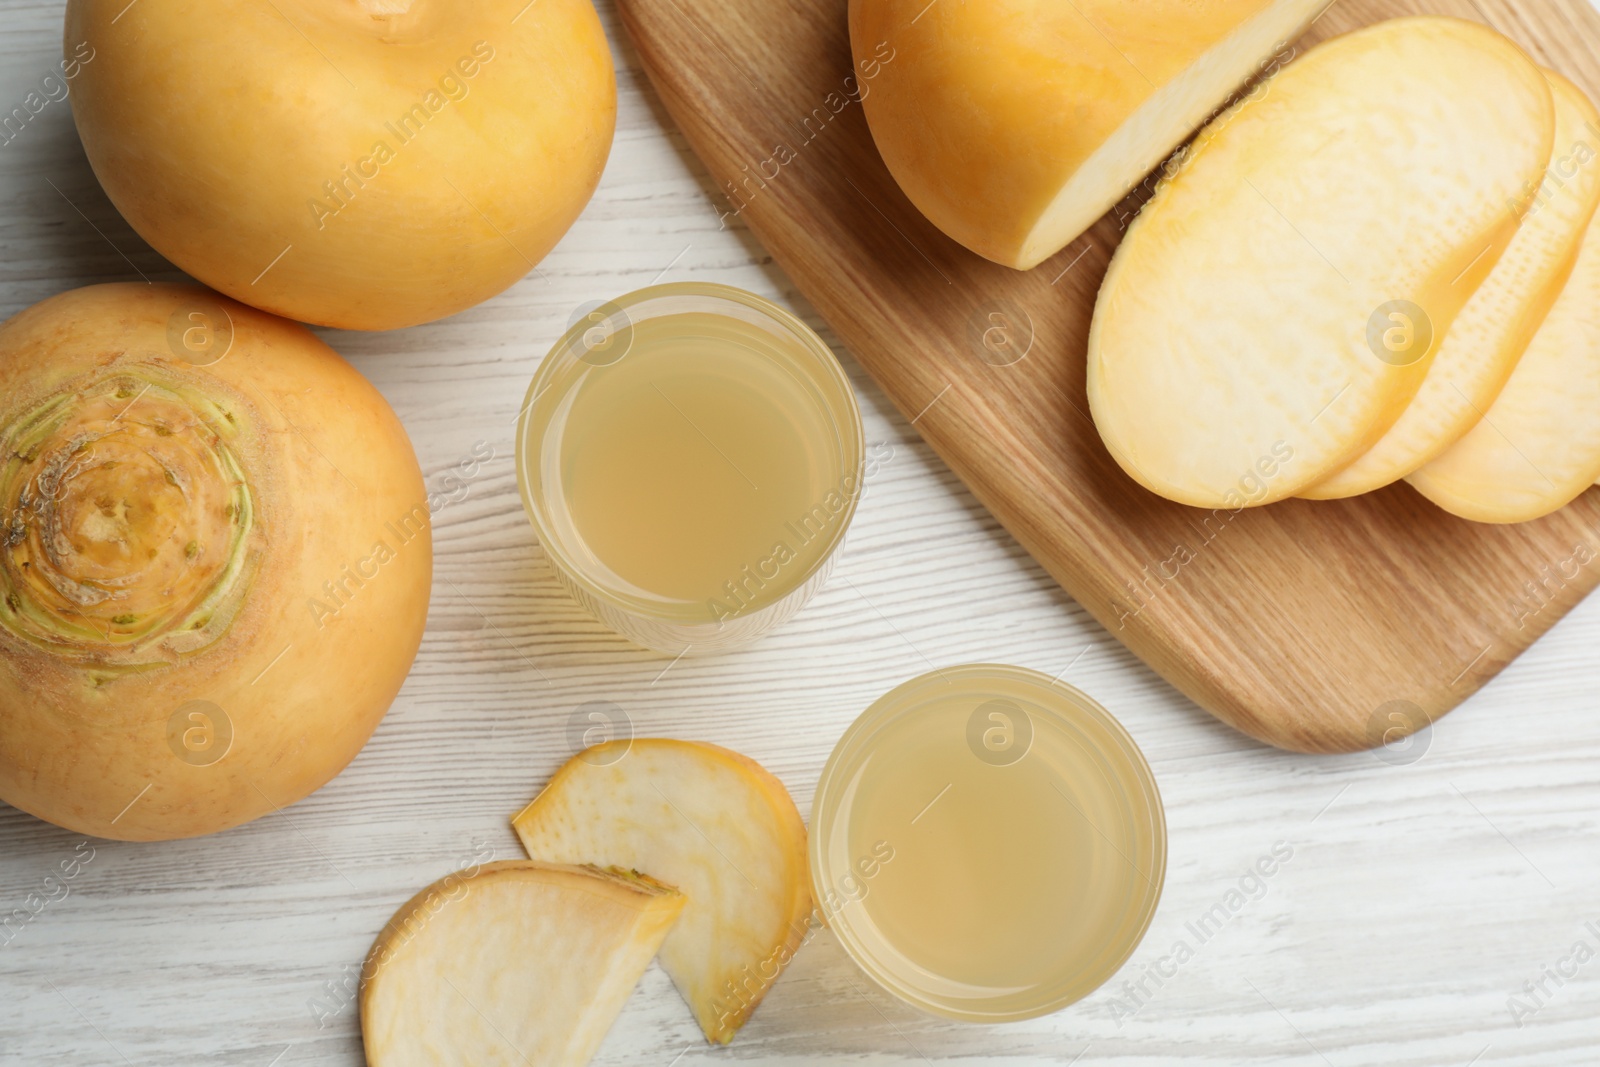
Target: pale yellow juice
[(986, 847), (700, 477)]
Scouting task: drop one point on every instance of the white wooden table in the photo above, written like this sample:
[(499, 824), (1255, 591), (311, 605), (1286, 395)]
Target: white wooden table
[(1419, 899)]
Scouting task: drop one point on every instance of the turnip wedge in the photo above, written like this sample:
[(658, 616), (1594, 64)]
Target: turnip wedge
[(509, 964), (709, 821)]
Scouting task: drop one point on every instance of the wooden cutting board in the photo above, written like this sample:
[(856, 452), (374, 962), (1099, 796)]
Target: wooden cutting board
[(1316, 627)]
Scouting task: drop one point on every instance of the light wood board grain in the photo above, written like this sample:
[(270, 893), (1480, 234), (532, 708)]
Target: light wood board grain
[(1300, 624)]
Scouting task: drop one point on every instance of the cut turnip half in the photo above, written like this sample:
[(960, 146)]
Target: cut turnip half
[(1492, 331), (511, 963), (708, 821), (1538, 447), (1014, 124), (1278, 302)]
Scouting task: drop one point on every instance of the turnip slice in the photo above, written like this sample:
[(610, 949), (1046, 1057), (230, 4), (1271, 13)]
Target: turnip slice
[(1492, 331), (1538, 447), (510, 963), (709, 821), (1279, 301)]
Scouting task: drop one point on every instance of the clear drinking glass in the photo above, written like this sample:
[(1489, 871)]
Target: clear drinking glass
[(988, 844), (690, 456)]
